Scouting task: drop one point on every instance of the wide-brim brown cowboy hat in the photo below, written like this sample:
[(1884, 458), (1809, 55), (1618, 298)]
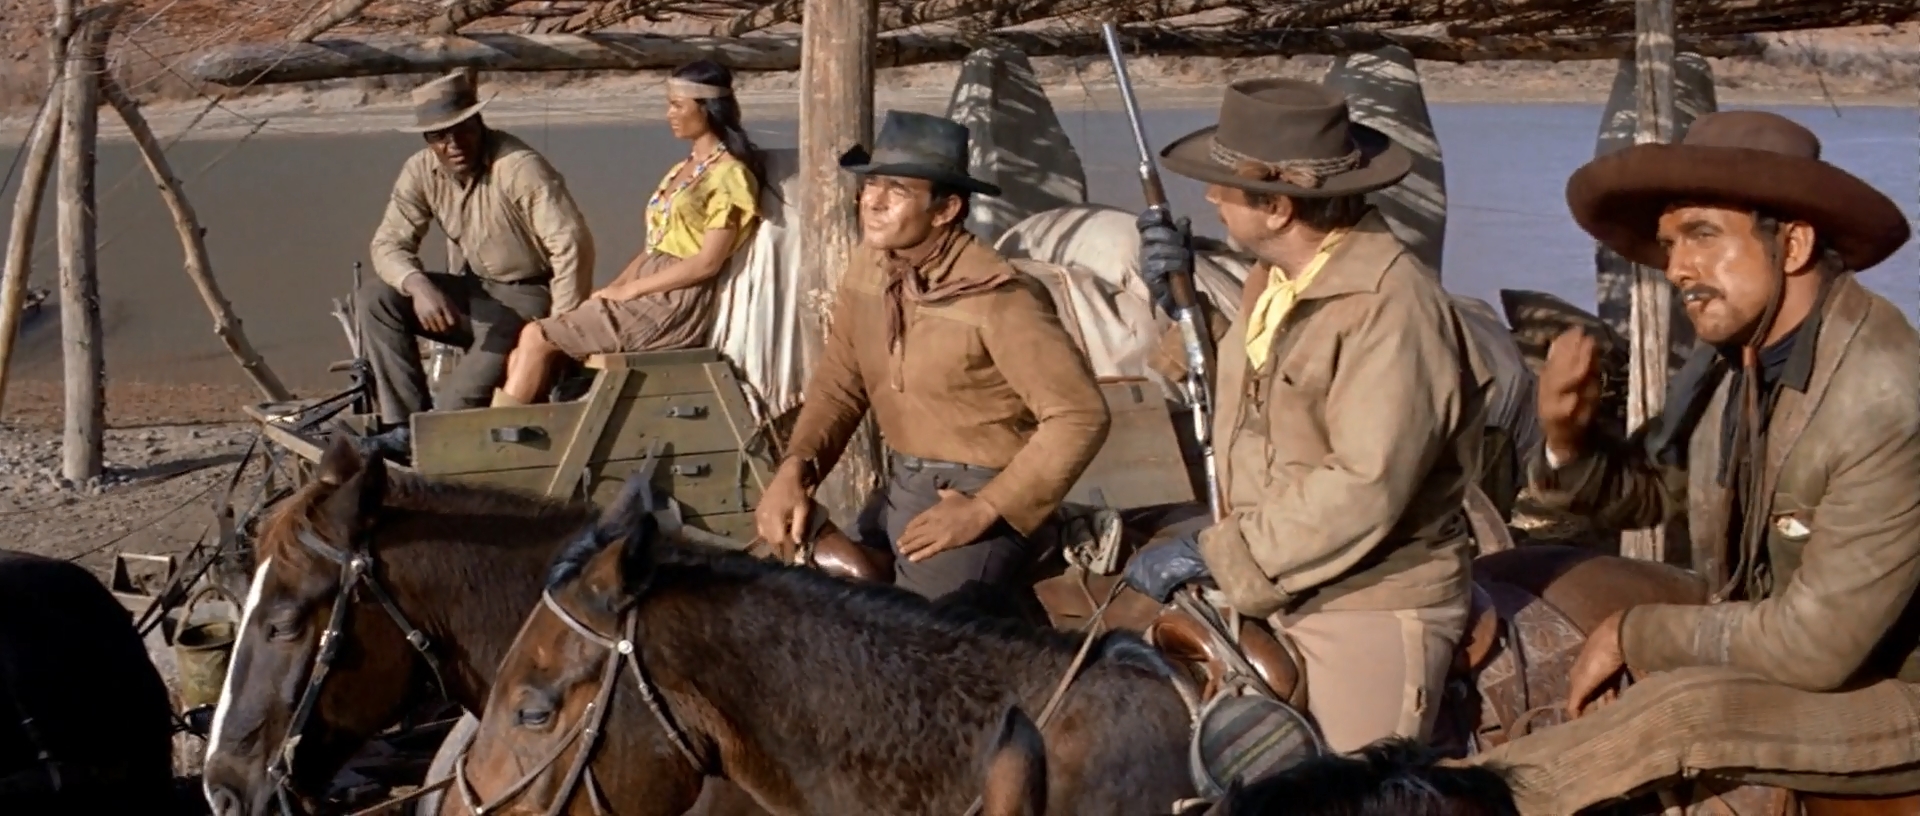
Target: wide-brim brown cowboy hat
[(1289, 137), (1744, 158), (922, 146), (443, 103)]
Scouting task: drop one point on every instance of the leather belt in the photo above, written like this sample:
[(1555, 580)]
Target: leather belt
[(910, 463)]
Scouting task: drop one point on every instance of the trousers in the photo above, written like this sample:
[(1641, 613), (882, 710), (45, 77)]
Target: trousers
[(999, 558), (1376, 674), (491, 315), (1724, 724)]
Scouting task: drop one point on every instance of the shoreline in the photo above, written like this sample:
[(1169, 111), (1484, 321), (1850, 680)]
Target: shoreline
[(379, 104)]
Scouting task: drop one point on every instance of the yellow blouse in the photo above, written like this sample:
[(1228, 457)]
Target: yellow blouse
[(719, 195)]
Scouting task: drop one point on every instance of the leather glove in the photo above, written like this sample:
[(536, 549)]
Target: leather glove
[(1157, 571), (1166, 249)]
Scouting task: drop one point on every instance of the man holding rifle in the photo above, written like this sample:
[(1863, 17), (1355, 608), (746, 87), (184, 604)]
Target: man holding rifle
[(1349, 413)]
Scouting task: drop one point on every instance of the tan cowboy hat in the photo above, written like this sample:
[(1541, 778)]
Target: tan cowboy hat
[(443, 103), (1288, 137), (1750, 158)]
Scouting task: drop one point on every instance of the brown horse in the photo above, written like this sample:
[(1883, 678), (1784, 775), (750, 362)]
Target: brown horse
[(651, 663), (458, 563)]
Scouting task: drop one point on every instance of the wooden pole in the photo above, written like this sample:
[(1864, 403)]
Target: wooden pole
[(26, 215), (836, 112), (248, 64), (193, 244), (85, 369), (1652, 296)]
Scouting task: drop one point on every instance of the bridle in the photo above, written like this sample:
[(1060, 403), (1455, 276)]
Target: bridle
[(358, 570), (588, 730)]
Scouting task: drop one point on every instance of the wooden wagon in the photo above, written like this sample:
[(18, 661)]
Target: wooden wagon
[(715, 458)]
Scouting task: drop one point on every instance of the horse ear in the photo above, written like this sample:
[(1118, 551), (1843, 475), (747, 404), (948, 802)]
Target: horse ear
[(1016, 768), (642, 531), (635, 499), (340, 462), (359, 495)]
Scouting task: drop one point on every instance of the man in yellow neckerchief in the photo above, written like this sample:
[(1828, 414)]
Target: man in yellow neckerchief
[(1348, 421)]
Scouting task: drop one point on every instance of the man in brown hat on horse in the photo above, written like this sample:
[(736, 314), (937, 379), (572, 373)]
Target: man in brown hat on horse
[(527, 248), (1349, 420), (1791, 441), (989, 411)]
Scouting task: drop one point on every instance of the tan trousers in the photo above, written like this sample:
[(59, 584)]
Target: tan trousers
[(1373, 675), (1729, 724)]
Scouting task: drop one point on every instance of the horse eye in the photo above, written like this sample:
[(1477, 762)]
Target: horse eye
[(535, 715), (283, 630)]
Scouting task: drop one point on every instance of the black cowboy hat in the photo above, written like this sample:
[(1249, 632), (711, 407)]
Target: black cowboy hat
[(1289, 137), (1749, 158), (922, 146)]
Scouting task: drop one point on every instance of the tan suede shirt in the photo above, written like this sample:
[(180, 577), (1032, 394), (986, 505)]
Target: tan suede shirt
[(1842, 475), (990, 379), (516, 221)]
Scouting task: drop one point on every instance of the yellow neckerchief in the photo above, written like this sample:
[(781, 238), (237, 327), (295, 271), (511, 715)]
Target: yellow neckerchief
[(1278, 299)]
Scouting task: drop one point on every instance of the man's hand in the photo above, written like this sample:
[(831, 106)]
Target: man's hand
[(781, 517), (430, 305), (1569, 392), (1160, 570), (1166, 249), (1600, 661), (958, 520)]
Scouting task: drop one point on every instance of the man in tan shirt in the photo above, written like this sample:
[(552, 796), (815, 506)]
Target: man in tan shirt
[(989, 411), (527, 248), (1349, 420)]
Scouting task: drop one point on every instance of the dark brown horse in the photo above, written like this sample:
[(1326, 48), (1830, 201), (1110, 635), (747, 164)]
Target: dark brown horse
[(460, 563), (85, 723), (652, 663)]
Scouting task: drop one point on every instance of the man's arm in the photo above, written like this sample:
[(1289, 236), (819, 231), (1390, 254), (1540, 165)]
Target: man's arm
[(1037, 357), (1393, 405), (541, 192), (836, 396), (1857, 573), (1614, 482), (395, 250)]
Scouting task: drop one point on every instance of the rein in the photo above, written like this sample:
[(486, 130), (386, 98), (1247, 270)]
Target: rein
[(357, 571), (590, 727)]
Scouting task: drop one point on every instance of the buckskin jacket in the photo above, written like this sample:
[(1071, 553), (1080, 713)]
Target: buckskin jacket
[(1345, 458), (1842, 472)]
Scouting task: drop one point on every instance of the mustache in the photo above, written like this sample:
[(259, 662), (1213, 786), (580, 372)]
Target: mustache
[(1699, 292)]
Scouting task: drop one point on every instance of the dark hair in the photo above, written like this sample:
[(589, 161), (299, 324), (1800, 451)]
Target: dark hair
[(1323, 214), (723, 117), (1392, 777), (941, 191)]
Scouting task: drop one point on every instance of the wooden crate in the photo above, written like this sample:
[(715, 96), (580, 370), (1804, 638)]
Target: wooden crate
[(713, 462)]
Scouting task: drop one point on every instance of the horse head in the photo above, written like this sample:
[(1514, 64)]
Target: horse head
[(1393, 777), (279, 731), (571, 670)]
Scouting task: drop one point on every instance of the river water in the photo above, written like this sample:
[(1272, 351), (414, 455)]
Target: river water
[(287, 216)]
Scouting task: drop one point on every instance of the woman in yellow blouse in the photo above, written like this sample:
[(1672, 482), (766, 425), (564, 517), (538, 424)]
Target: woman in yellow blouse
[(704, 210)]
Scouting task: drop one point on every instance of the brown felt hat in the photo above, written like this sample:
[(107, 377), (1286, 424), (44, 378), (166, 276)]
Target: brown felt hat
[(1288, 137), (443, 103), (1747, 158)]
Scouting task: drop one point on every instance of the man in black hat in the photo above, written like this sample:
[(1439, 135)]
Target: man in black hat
[(989, 411), (527, 248), (1349, 417), (1791, 441)]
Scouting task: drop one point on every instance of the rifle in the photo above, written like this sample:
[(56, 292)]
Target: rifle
[(1186, 304)]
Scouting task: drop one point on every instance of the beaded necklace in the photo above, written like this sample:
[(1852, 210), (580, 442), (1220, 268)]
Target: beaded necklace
[(662, 201)]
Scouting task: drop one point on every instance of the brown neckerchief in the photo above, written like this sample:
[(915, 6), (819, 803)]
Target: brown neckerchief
[(906, 282)]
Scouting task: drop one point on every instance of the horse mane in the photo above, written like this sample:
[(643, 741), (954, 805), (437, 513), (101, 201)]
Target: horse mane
[(411, 492), (1392, 777), (686, 566)]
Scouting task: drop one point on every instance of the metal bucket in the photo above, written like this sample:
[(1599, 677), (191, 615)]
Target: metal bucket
[(202, 651)]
